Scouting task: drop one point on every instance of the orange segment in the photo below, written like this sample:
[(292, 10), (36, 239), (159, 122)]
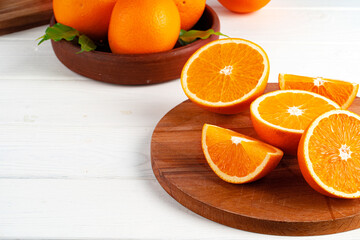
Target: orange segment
[(280, 117), (237, 158), (329, 154), (226, 75), (340, 92)]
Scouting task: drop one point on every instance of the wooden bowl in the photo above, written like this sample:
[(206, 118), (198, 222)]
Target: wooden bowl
[(134, 69)]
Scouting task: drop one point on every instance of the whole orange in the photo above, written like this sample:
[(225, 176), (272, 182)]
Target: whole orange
[(89, 17), (190, 12), (143, 26), (244, 6)]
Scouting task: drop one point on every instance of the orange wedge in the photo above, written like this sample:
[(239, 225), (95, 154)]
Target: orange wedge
[(340, 92), (226, 75), (280, 117), (329, 154), (236, 158)]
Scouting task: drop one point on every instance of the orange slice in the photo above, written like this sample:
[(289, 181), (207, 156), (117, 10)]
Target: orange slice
[(340, 92), (280, 117), (329, 154), (236, 158), (226, 75)]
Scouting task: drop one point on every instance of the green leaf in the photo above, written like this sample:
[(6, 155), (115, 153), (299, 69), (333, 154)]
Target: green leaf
[(187, 37), (58, 32), (86, 44), (43, 38)]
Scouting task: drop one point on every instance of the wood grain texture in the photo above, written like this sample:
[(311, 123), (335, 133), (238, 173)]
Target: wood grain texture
[(281, 203), (23, 14)]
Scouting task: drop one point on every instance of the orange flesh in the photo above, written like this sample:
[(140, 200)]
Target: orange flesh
[(234, 159), (338, 91), (324, 149), (247, 68), (274, 109)]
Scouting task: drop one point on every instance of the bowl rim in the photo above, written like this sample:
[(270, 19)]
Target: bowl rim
[(215, 25)]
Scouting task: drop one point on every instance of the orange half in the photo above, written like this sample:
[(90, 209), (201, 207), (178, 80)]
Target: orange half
[(226, 75), (340, 92), (237, 158), (280, 117), (329, 154)]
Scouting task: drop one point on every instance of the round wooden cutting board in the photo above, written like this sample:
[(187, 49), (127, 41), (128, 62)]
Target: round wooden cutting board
[(281, 203)]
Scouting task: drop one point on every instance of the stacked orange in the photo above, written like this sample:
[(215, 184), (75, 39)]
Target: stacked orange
[(89, 17), (190, 12), (131, 26), (243, 6), (228, 75), (143, 26)]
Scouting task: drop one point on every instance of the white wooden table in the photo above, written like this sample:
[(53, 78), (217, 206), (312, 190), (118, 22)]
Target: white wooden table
[(75, 153)]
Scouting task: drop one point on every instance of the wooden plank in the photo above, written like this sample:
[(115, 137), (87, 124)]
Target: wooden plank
[(74, 152), (23, 14), (310, 4), (304, 58), (109, 209), (333, 5), (94, 209)]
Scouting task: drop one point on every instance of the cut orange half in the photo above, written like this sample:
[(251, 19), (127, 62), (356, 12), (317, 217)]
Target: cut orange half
[(329, 154), (236, 158), (340, 92), (226, 75), (280, 117)]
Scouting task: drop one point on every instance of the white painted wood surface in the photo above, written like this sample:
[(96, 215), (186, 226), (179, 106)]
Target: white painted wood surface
[(75, 153)]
